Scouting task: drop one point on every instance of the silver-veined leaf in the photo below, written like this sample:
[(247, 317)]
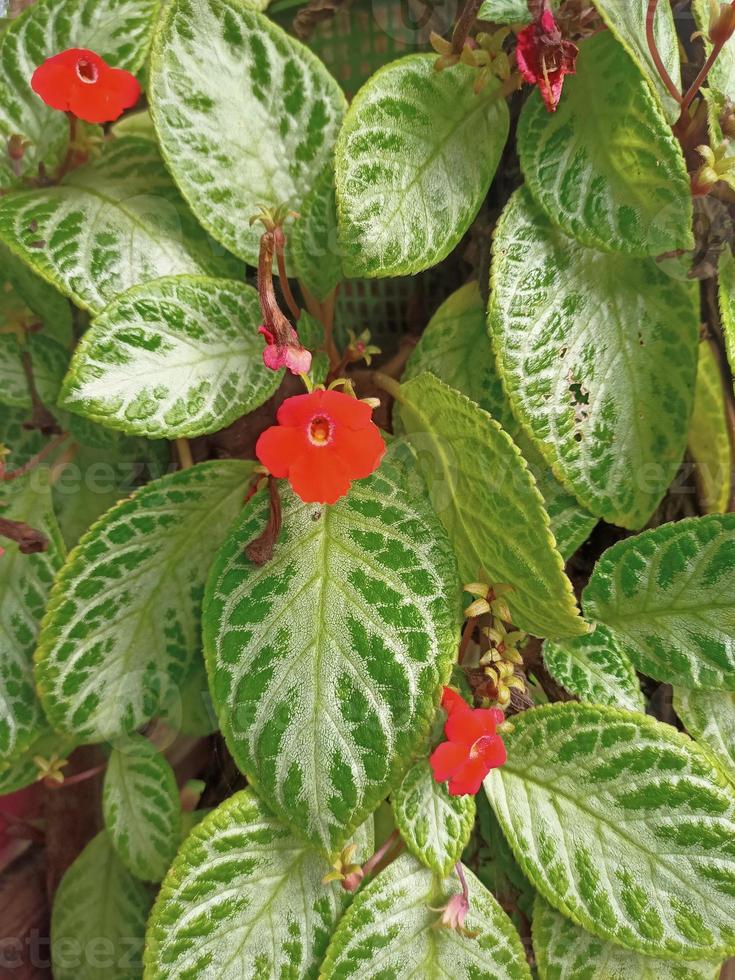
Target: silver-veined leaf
[(434, 825), (564, 951), (248, 118), (627, 21), (108, 226), (118, 30), (571, 158), (389, 932), (25, 582), (595, 669), (141, 808), (313, 245), (667, 595), (624, 825), (122, 624), (175, 357), (340, 641), (482, 491), (562, 328), (244, 898), (454, 347), (99, 916), (709, 717), (415, 158)]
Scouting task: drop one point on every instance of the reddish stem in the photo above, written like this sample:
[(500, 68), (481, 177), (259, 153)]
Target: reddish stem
[(35, 460), (464, 25), (280, 243), (29, 540), (79, 777), (701, 77), (655, 55), (371, 864), (463, 881)]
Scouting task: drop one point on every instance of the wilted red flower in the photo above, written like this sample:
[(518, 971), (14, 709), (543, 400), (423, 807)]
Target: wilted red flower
[(286, 351), (322, 442), (80, 82), (544, 57), (473, 747)]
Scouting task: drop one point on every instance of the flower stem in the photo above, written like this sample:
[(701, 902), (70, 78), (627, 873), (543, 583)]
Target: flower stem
[(29, 540), (280, 243), (38, 458), (80, 777), (464, 25), (372, 863), (701, 77), (41, 418), (183, 449), (655, 54), (463, 880), (469, 629), (324, 313)]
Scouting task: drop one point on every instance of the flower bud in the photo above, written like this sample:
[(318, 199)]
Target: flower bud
[(722, 26), (477, 608)]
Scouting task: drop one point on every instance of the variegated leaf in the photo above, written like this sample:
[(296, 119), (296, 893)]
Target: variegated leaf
[(342, 639), (482, 491), (248, 118), (709, 434), (564, 318), (596, 669), (99, 916), (118, 30), (108, 226), (389, 932), (415, 158), (709, 717), (434, 825), (313, 246), (624, 825), (627, 21), (25, 581), (667, 595), (141, 808), (244, 898), (571, 158), (49, 361), (175, 357), (455, 347), (564, 951), (122, 625)]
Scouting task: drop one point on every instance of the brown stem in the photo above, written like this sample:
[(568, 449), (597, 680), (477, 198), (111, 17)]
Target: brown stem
[(469, 629), (35, 460), (260, 551), (183, 450), (280, 243), (41, 418), (80, 777), (464, 25), (655, 54), (701, 77), (371, 864)]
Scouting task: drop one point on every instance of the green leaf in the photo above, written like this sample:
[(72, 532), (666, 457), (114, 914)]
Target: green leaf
[(22, 770), (244, 898), (721, 78), (726, 283), (508, 11), (627, 21), (25, 581), (605, 166), (341, 641), (454, 347), (434, 825), (710, 719), (313, 336), (118, 30), (624, 825), (51, 309), (98, 919), (415, 158), (141, 808), (122, 624), (313, 246), (595, 669), (709, 435), (581, 362), (22, 443), (49, 361), (108, 226), (667, 594), (389, 932), (245, 120), (175, 357), (566, 952), (480, 488), (190, 710)]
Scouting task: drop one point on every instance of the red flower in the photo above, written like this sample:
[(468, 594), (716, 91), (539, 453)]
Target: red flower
[(544, 57), (322, 442), (285, 351), (473, 747), (80, 82)]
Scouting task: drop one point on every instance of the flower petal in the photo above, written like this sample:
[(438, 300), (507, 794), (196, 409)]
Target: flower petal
[(446, 759), (465, 727), (278, 449), (360, 450), (300, 409), (318, 476), (468, 780), (345, 409), (452, 701), (492, 751)]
